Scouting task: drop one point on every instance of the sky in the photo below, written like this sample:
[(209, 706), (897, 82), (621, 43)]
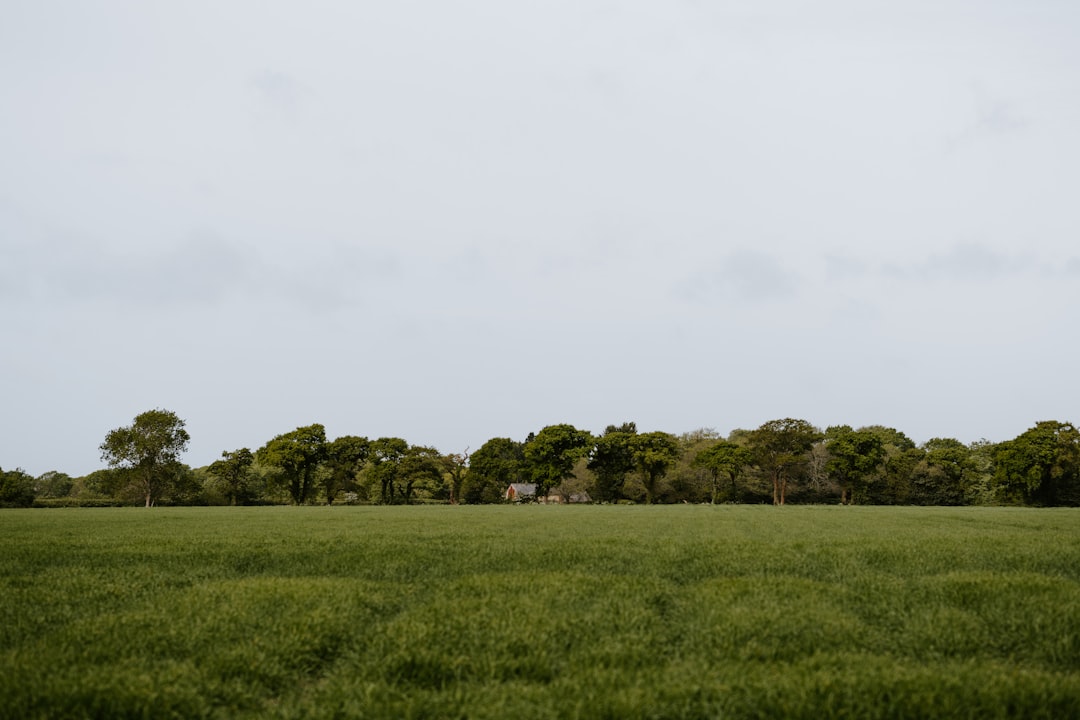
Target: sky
[(452, 221)]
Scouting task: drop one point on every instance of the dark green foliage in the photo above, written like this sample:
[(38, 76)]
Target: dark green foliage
[(296, 457), (16, 488), (552, 453), (345, 459), (1042, 465), (148, 453), (498, 463), (384, 464), (611, 460), (653, 454), (53, 484), (725, 462), (233, 471), (781, 449), (854, 456), (943, 475)]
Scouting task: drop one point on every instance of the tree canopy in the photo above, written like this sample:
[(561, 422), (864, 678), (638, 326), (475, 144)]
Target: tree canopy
[(148, 451)]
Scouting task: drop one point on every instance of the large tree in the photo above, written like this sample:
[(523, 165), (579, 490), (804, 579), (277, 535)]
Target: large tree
[(781, 449), (552, 453), (944, 473), (726, 460), (611, 460), (384, 458), (492, 468), (854, 456), (296, 456), (232, 470), (148, 451), (1042, 465), (16, 488), (653, 453), (345, 458)]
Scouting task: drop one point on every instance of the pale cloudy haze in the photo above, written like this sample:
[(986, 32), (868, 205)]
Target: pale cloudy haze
[(451, 221)]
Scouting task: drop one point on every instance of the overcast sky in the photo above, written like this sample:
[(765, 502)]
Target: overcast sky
[(452, 221)]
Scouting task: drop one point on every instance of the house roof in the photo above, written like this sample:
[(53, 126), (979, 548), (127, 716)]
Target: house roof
[(522, 488)]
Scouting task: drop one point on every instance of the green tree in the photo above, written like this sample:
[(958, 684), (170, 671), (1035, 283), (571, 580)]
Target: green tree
[(943, 475), (551, 455), (148, 451), (780, 448), (724, 460), (456, 467), (53, 484), (492, 468), (16, 488), (233, 470), (1042, 465), (611, 460), (854, 456), (384, 457), (653, 453), (419, 468), (345, 459), (296, 457)]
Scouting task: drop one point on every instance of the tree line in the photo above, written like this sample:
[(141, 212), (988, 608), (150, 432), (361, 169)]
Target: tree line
[(783, 460)]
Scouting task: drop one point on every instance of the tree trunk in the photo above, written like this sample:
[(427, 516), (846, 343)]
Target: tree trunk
[(776, 489), (783, 490)]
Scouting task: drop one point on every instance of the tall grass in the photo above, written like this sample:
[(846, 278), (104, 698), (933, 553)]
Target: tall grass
[(540, 612)]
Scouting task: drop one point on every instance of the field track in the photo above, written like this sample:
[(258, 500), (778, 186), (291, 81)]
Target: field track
[(540, 612)]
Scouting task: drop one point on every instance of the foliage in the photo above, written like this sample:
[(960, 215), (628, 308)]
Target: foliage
[(682, 612), (149, 451), (724, 460), (943, 475), (53, 484), (345, 459), (853, 458), (233, 470), (296, 456), (551, 455), (653, 454), (492, 468), (16, 488), (780, 448), (611, 459), (384, 460), (1042, 465)]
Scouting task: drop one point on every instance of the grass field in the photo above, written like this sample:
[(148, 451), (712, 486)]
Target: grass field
[(540, 612)]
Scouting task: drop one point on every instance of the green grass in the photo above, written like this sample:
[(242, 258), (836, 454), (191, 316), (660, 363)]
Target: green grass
[(540, 612)]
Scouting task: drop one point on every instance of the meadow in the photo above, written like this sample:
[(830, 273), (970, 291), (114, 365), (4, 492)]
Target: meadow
[(540, 612)]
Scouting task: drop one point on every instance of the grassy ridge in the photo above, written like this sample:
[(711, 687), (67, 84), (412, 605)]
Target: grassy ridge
[(535, 612)]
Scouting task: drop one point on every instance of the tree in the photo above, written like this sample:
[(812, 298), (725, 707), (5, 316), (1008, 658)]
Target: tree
[(456, 466), (944, 473), (296, 456), (16, 488), (53, 484), (1042, 465), (552, 453), (492, 468), (724, 460), (611, 460), (345, 458), (148, 451), (780, 448), (232, 470), (419, 468), (853, 458), (653, 454), (384, 456)]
